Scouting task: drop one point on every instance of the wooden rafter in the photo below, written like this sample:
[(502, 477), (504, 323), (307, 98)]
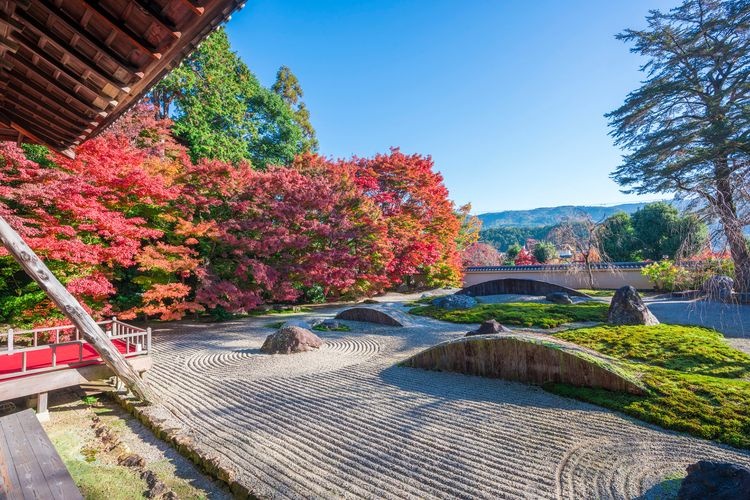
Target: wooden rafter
[(196, 9), (20, 113), (72, 51), (30, 130), (157, 15), (18, 61), (122, 28), (93, 59), (62, 68), (23, 84), (46, 113), (55, 16)]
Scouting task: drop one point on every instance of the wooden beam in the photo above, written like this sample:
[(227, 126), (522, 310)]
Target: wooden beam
[(26, 85), (62, 68), (19, 98), (18, 110), (74, 53), (70, 307), (198, 11), (25, 107), (32, 130), (29, 67), (9, 45), (64, 378), (148, 7), (39, 137), (119, 26), (53, 14), (51, 110)]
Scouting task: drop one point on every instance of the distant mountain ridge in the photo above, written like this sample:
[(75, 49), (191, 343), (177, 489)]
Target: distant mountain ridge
[(548, 216)]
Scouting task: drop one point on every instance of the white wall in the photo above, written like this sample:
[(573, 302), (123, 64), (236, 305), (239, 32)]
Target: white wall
[(603, 278)]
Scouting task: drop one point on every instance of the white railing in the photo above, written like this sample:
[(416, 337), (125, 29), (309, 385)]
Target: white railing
[(136, 341)]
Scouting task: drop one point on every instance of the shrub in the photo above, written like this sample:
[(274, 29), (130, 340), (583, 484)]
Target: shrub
[(668, 276), (544, 252), (663, 274)]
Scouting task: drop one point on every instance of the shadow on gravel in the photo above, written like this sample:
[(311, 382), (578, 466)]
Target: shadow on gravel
[(732, 320), (454, 387), (665, 489)]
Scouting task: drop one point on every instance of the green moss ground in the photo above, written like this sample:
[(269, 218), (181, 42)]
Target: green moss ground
[(597, 293), (537, 314), (697, 383), (340, 328), (94, 479)]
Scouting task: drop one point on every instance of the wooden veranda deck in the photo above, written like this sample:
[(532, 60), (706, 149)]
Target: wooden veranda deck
[(29, 464), (35, 362)]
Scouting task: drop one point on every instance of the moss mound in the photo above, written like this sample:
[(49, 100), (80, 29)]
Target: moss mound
[(538, 314), (527, 357), (696, 382)]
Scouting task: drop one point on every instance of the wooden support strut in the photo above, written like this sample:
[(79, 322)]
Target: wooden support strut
[(92, 333)]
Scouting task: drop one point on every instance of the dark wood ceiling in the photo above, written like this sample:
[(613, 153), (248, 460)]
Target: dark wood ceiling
[(71, 67)]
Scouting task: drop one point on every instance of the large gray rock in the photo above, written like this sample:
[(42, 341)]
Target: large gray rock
[(715, 480), (627, 308), (290, 339), (451, 302), (489, 327), (559, 298), (719, 288)]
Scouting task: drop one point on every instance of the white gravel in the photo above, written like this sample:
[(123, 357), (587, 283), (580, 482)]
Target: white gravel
[(345, 421)]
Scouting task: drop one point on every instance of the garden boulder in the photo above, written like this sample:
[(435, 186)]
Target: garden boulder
[(451, 302), (627, 308), (559, 298), (719, 288), (489, 327), (291, 339), (715, 480)]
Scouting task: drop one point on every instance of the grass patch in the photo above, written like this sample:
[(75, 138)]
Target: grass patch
[(537, 314), (275, 325), (696, 382), (688, 349), (340, 328), (290, 310), (94, 479), (597, 293), (167, 472)]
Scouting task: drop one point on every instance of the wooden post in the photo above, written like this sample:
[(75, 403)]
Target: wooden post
[(42, 412), (69, 306)]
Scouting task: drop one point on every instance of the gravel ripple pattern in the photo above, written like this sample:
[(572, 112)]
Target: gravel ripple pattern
[(346, 422)]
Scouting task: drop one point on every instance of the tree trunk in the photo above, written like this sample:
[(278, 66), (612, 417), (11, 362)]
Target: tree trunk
[(93, 334), (733, 230)]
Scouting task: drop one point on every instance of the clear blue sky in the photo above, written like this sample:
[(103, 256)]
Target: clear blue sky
[(507, 96)]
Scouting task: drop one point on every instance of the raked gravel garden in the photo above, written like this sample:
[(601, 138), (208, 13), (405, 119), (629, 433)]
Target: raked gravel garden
[(346, 421)]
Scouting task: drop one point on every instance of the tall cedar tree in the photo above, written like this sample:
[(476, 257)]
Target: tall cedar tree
[(687, 127), (288, 87), (221, 111)]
